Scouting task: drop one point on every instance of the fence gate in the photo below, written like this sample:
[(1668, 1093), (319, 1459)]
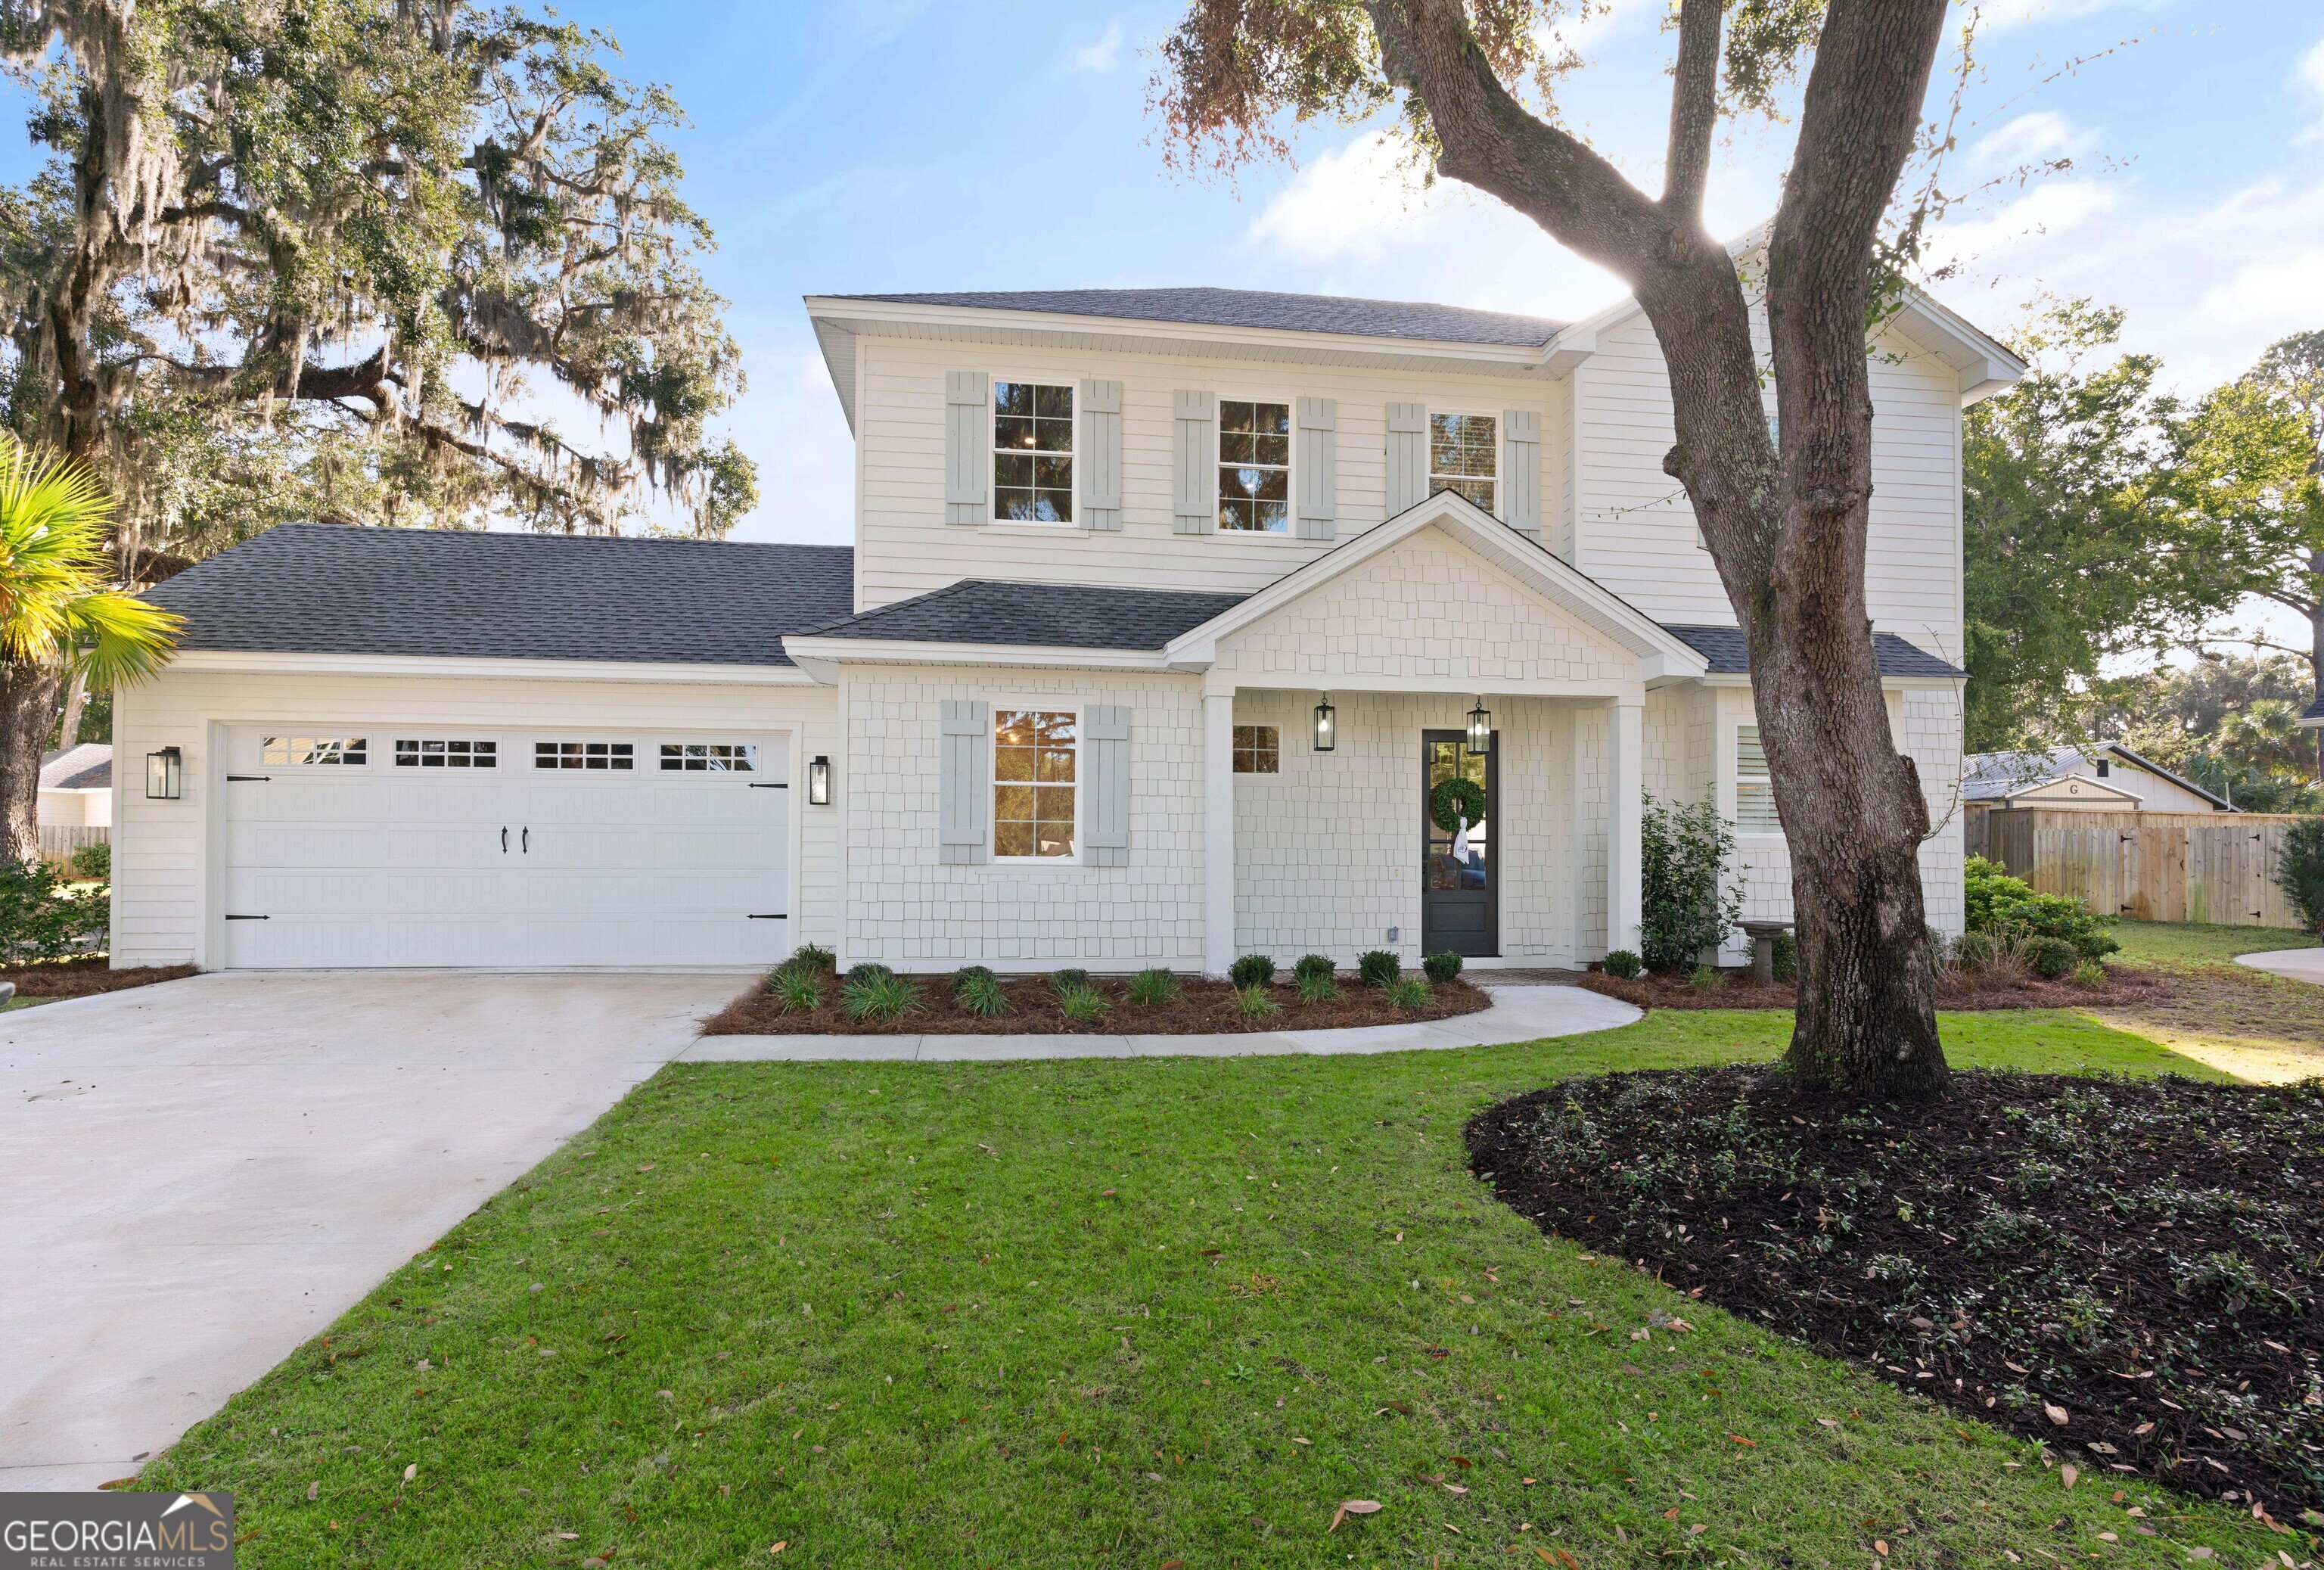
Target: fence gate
[(2152, 866)]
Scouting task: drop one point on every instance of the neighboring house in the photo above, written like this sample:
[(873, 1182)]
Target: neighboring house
[(2313, 719), (1165, 610), (76, 787), (2104, 777)]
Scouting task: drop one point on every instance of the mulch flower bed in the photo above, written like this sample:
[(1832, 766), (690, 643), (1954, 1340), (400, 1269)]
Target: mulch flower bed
[(2125, 1270), (81, 978), (1201, 1008), (1967, 990)]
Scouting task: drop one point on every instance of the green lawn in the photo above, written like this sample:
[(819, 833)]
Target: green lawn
[(1107, 1312), (2179, 944)]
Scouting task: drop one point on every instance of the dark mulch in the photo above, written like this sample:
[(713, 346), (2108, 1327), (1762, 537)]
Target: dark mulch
[(84, 977), (1203, 1007), (1961, 990), (2144, 1256)]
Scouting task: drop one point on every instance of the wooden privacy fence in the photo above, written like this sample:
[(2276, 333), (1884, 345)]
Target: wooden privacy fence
[(2152, 866), (57, 842)]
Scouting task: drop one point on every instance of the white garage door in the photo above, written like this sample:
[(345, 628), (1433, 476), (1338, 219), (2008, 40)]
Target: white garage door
[(409, 846)]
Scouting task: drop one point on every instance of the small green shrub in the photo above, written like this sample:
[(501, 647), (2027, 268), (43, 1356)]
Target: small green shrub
[(1379, 968), (94, 861), (798, 989), (1082, 1003), (1994, 901), (815, 957), (1313, 964), (1707, 978), (2050, 957), (42, 918), (1974, 950), (1070, 979), (978, 991), (1316, 989), (1153, 988), (1253, 1003), (874, 994), (1252, 970), (1688, 897), (1787, 957), (1411, 992), (2299, 871), (2089, 973), (1622, 963), (1441, 967)]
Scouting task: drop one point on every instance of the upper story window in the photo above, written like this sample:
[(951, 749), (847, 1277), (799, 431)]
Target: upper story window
[(1034, 752), (316, 752), (1258, 750), (1032, 453), (1754, 793), (1465, 455), (1255, 466)]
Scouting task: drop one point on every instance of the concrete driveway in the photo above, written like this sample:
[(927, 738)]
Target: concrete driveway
[(2298, 964), (196, 1177)]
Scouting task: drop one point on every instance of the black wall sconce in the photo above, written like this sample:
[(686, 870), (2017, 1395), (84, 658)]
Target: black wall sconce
[(165, 775), (819, 781), (1327, 727), (1480, 730)]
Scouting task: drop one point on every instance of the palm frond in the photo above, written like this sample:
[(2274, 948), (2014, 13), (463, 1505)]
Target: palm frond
[(119, 638), (56, 608)]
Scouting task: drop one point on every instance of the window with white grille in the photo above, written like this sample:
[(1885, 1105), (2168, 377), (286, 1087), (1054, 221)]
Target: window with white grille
[(316, 752), (1754, 793), (451, 753), (1258, 750), (709, 758), (1034, 785), (1465, 455), (618, 756)]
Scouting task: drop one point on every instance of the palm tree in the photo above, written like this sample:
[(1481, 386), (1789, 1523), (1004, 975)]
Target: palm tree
[(58, 618)]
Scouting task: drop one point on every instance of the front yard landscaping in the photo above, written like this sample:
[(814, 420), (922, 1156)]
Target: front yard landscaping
[(1123, 1313)]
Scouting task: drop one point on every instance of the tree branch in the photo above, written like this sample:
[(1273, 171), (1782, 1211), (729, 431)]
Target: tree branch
[(1694, 111)]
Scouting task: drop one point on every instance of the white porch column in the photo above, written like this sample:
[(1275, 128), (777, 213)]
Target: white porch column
[(1626, 775), (1218, 831)]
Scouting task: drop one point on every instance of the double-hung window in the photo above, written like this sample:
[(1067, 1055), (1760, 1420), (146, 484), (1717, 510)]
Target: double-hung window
[(1032, 453), (1754, 792), (1034, 753), (1465, 455), (1255, 466)]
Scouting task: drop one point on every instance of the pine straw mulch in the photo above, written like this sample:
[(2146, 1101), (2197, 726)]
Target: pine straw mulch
[(2125, 1270), (1202, 1008), (85, 976), (1968, 989)]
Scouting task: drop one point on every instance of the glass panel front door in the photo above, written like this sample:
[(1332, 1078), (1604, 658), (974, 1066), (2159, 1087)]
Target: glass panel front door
[(1460, 903)]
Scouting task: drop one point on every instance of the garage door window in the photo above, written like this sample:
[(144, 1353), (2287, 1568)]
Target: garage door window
[(709, 758), (316, 752), (447, 755), (618, 756)]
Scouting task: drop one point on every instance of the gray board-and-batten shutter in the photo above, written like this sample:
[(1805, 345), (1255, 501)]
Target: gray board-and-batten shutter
[(1194, 487), (968, 445), (1105, 827), (1318, 441), (964, 776), (1408, 456), (1099, 459)]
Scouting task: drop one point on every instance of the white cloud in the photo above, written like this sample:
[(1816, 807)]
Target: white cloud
[(1356, 203), (1102, 56), (2043, 134), (2003, 16), (2049, 208), (2309, 75)]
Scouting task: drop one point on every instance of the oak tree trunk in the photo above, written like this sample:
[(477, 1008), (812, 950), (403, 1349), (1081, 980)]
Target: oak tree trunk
[(28, 707)]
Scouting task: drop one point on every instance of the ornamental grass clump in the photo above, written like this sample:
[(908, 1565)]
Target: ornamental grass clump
[(814, 957), (1081, 1003), (1252, 970), (1253, 1003), (1153, 987), (1379, 968), (874, 994), (1706, 978), (978, 989), (1411, 992), (1315, 987), (1070, 979), (797, 990)]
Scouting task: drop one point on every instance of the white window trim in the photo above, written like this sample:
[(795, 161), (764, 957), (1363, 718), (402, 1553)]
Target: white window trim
[(1072, 383), (1290, 531), (501, 753), (1428, 413), (759, 769), (1732, 756), (993, 710), (1232, 749), (642, 757)]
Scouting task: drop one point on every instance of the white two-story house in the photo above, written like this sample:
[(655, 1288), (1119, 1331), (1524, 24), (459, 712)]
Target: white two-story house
[(1175, 622)]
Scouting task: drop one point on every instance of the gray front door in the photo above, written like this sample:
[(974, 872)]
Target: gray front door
[(1460, 895)]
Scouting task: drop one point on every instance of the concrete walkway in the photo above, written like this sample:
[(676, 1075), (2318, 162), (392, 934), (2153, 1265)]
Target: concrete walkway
[(196, 1177), (1518, 1013), (2299, 963)]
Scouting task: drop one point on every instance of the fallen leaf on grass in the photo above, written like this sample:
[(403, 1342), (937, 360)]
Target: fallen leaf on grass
[(1671, 1514), (313, 1489), (1352, 1507), (1173, 1565), (1880, 1546), (2068, 1474), (412, 1471), (1738, 1439), (779, 1547), (1829, 1422)]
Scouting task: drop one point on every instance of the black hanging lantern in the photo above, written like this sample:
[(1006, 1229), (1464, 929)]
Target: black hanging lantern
[(165, 775), (1480, 730), (819, 781), (1327, 727)]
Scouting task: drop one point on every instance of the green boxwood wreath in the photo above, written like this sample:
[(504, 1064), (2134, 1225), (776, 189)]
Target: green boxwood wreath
[(1455, 798)]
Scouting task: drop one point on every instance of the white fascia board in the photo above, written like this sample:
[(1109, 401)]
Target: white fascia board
[(829, 653), (1524, 559), (2316, 723), (239, 662), (1601, 691), (1984, 365), (838, 345), (1887, 683), (976, 324)]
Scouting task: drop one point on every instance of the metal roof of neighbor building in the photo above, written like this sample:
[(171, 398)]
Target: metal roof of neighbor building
[(1998, 776), (1729, 655), (1256, 308), (326, 588), (1047, 616)]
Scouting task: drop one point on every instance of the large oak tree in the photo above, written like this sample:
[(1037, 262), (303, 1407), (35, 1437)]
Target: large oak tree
[(1787, 529)]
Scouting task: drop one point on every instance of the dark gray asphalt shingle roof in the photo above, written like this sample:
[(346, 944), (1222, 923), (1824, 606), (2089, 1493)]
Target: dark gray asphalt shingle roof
[(1730, 656), (1254, 307), (1048, 616), (328, 590), (2315, 710)]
